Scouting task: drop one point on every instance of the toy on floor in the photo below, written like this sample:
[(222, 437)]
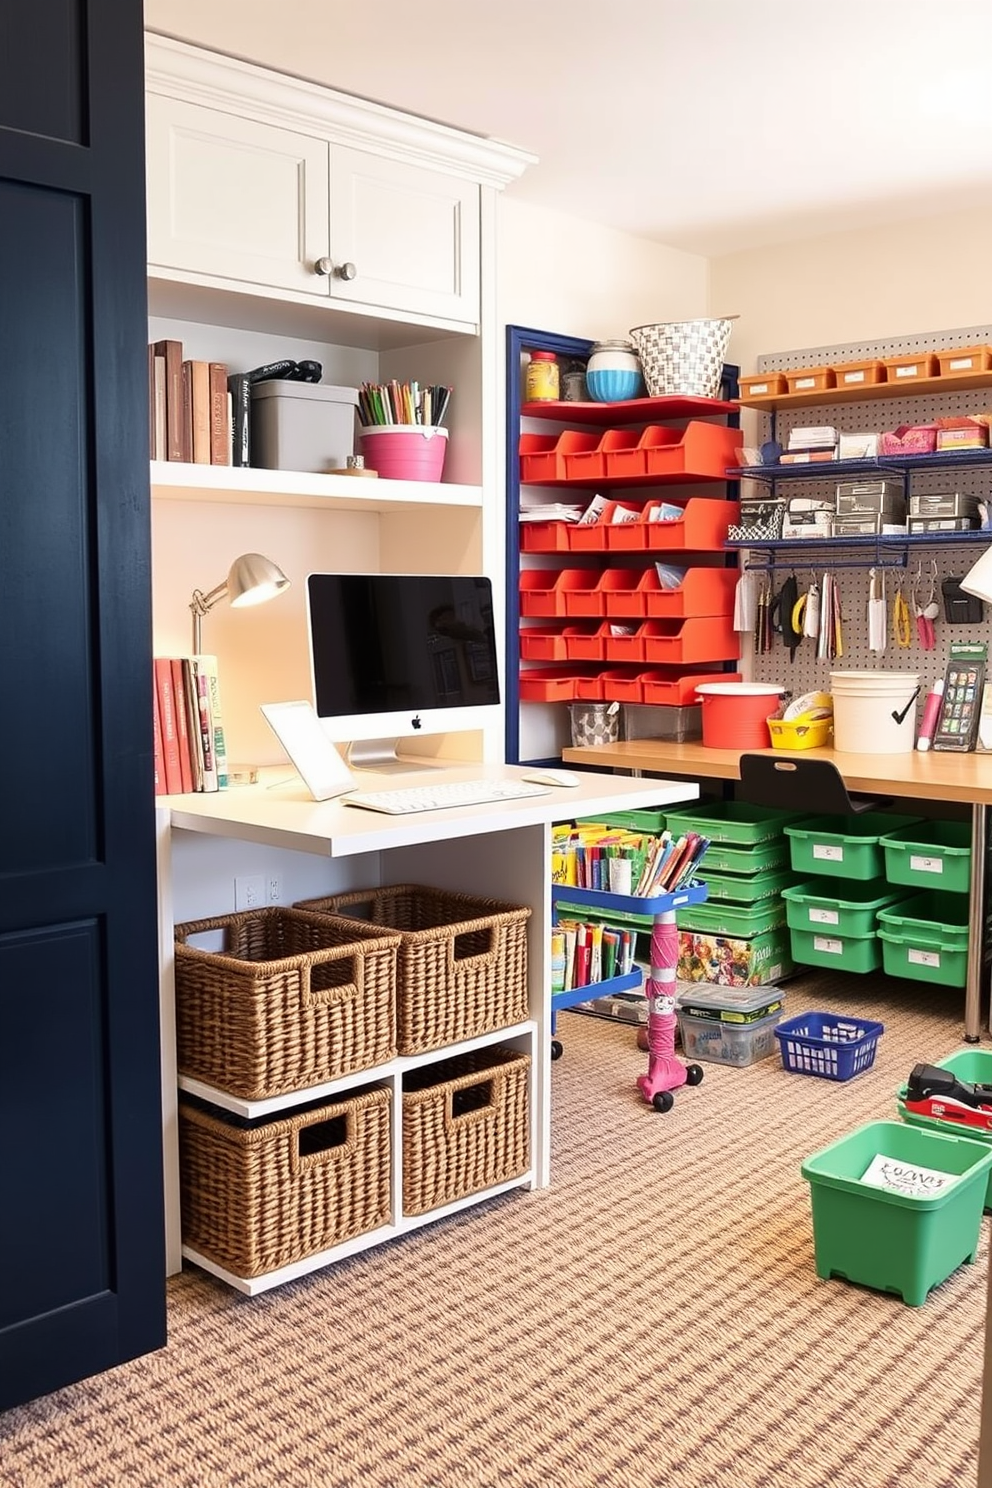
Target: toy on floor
[(665, 1072), (932, 1091)]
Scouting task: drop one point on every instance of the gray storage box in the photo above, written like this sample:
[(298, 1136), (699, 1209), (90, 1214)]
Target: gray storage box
[(883, 498), (942, 504), (302, 425), (663, 721)]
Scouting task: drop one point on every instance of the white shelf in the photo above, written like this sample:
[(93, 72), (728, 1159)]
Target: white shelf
[(398, 1066), (173, 480), (252, 1286)]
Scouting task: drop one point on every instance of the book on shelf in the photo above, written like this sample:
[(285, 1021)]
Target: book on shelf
[(172, 354), (239, 387), (189, 725), (157, 755), (220, 414), (197, 375)]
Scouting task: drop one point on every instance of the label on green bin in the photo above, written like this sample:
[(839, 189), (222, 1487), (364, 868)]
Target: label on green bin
[(828, 851), (925, 865), (923, 958)]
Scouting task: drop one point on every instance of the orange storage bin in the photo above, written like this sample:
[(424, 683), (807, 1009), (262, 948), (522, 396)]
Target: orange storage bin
[(586, 642), (622, 686), (763, 385), (589, 688), (966, 359), (670, 687), (703, 591), (565, 591), (586, 537), (859, 374), (622, 453), (914, 364), (544, 537), (810, 379), (542, 643), (537, 591), (547, 685), (702, 527), (702, 452), (625, 648), (543, 456), (621, 591), (582, 462), (704, 638)]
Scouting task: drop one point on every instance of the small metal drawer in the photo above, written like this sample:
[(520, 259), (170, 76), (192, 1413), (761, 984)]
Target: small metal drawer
[(942, 504)]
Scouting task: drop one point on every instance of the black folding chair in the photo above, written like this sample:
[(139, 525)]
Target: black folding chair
[(795, 784)]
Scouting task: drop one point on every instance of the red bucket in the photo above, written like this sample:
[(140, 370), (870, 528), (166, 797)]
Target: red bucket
[(405, 451), (735, 714)]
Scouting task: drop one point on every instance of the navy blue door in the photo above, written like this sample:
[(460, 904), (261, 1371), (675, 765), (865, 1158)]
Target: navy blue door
[(81, 1233)]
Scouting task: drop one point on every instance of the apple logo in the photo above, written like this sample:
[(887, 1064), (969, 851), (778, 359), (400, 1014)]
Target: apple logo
[(415, 722)]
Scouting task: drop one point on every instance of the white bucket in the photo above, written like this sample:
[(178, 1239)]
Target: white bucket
[(875, 712)]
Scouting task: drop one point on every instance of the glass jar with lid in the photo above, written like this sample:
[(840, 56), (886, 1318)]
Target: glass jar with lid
[(541, 382), (613, 372)]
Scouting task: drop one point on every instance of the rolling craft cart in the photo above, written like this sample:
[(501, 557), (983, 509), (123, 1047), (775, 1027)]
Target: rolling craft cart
[(665, 1072)]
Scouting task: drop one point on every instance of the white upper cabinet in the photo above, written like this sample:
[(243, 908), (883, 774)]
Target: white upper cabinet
[(265, 183), (234, 199)]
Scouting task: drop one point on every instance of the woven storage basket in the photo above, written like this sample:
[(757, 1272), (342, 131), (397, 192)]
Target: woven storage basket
[(466, 1126), (293, 1001), (462, 964), (257, 1195), (683, 356)]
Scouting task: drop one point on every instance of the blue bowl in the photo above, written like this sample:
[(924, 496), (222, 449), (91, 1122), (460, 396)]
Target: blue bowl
[(612, 385)]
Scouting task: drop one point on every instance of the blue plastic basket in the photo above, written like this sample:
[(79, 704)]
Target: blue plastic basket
[(827, 1045)]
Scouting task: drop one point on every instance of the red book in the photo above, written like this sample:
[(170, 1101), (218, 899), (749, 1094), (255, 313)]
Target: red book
[(167, 717), (157, 747), (182, 726)]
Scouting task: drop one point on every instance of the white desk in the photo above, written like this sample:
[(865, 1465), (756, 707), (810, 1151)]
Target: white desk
[(502, 850)]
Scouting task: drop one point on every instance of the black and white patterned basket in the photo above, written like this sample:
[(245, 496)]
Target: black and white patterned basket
[(683, 356)]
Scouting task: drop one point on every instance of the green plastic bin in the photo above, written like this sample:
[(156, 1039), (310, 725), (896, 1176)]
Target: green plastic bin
[(823, 905), (925, 938), (975, 1067), (843, 846), (838, 952), (933, 855), (724, 857), (733, 919), (732, 821), (889, 1241), (647, 820), (741, 890)]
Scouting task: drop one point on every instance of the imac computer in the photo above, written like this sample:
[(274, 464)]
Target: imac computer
[(400, 656)]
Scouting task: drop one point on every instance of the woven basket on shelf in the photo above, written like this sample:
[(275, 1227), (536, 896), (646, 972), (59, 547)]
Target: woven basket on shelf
[(257, 1195), (683, 356), (462, 965), (466, 1126), (294, 1000)]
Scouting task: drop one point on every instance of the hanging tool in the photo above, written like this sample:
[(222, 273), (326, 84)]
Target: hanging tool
[(745, 603), (784, 608), (837, 628), (877, 613), (925, 610), (902, 624)]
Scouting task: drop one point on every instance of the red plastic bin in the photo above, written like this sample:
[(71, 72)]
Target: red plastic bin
[(594, 536), (542, 456), (589, 688), (668, 686), (547, 685), (702, 452), (583, 643), (701, 528), (565, 591), (703, 591), (544, 537), (542, 643), (700, 638), (622, 593), (622, 686)]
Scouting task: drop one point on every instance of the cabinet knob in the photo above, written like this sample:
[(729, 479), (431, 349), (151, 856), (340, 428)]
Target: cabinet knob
[(339, 271)]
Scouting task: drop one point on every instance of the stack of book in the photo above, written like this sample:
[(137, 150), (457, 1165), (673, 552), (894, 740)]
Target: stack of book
[(810, 445), (190, 752), (189, 407)]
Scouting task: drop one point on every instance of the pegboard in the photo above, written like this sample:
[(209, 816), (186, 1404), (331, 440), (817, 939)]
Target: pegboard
[(806, 673)]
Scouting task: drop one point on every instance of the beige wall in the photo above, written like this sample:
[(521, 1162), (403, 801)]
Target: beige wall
[(576, 278), (925, 275)]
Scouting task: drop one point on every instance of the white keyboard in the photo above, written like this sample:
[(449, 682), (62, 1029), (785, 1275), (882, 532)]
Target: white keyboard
[(437, 797)]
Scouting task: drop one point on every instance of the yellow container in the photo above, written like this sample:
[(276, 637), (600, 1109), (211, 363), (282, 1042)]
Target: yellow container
[(803, 732)]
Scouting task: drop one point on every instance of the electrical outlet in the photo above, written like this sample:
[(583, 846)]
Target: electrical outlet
[(273, 888), (249, 892)]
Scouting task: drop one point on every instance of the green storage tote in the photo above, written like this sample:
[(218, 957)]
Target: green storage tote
[(741, 889), (933, 855), (925, 938), (889, 1241), (843, 846), (726, 857), (644, 820), (823, 905), (731, 821), (733, 919), (838, 952)]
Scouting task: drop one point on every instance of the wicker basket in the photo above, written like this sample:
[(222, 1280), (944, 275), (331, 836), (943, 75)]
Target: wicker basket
[(462, 964), (466, 1126), (257, 1195), (294, 1000), (683, 356)]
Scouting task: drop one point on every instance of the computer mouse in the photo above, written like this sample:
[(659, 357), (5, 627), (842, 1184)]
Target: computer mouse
[(553, 777)]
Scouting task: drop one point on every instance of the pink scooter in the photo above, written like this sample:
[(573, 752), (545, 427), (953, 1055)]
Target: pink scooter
[(665, 1072)]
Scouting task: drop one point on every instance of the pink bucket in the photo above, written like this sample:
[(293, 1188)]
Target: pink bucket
[(405, 451)]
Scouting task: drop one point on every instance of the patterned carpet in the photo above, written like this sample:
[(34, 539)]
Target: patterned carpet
[(652, 1318)]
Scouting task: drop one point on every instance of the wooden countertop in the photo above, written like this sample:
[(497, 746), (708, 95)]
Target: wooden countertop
[(934, 776)]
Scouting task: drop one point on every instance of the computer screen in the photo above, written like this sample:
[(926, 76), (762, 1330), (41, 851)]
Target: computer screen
[(399, 656)]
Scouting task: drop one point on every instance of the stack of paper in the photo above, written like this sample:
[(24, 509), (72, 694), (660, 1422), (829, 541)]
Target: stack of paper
[(555, 511)]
